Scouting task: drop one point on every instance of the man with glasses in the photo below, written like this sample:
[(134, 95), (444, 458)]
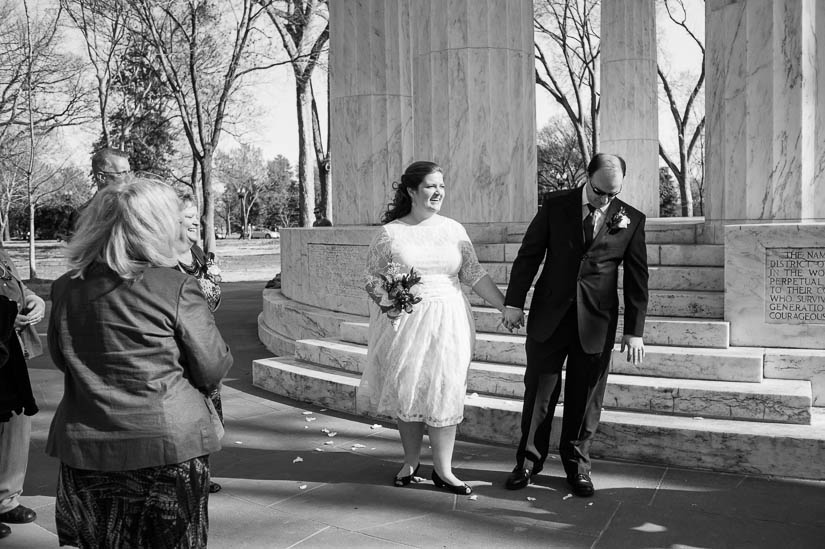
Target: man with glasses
[(108, 166), (582, 235)]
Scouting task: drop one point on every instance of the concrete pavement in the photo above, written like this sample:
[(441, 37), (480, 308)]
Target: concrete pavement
[(340, 493)]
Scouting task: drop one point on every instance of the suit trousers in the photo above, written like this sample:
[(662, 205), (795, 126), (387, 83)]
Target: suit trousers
[(14, 458), (584, 386)]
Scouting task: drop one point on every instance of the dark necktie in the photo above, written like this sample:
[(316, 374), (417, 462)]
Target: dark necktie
[(588, 225)]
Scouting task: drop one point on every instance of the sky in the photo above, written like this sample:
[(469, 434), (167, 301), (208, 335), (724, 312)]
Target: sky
[(273, 128)]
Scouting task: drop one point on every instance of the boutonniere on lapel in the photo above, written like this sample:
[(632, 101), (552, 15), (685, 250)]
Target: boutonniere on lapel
[(619, 220)]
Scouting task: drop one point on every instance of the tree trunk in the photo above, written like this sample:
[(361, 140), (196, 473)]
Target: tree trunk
[(32, 255), (306, 153), (208, 216)]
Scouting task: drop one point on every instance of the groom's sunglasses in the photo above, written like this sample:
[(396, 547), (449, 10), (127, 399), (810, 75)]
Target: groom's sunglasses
[(600, 192)]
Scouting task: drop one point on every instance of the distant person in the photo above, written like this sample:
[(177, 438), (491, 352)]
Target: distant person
[(138, 346), (108, 166), (19, 308), (320, 219)]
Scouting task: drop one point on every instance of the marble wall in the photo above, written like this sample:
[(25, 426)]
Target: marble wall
[(755, 287), (451, 82), (765, 142), (629, 104)]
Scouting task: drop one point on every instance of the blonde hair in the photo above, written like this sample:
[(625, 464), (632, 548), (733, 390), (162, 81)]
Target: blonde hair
[(128, 227)]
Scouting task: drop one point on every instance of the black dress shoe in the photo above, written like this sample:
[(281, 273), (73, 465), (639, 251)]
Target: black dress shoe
[(18, 515), (521, 477), (461, 489), (404, 481), (214, 487), (581, 484), (4, 530)]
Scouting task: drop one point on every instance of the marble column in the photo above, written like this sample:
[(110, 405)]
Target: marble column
[(474, 104), (765, 133), (629, 107), (371, 104)]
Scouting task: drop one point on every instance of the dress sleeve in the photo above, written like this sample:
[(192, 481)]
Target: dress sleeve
[(471, 270), (379, 256)]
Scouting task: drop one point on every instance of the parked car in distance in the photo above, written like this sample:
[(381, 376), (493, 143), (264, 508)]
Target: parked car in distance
[(220, 235), (264, 233)]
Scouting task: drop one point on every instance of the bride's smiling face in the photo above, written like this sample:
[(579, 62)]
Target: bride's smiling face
[(430, 193)]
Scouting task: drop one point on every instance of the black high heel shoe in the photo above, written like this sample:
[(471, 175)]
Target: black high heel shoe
[(461, 489), (404, 481)]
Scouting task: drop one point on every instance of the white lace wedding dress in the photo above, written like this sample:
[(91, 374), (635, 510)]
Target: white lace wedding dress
[(417, 366)]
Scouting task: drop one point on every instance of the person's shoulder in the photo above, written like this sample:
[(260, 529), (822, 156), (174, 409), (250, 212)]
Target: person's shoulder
[(631, 211), (557, 198)]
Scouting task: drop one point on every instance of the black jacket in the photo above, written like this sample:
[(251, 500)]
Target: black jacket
[(587, 277)]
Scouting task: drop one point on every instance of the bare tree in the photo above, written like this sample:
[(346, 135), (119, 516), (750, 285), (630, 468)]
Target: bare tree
[(244, 174), (567, 55), (303, 26), (103, 26), (689, 122), (203, 50)]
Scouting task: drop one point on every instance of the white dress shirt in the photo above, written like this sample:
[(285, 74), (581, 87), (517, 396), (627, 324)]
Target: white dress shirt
[(598, 213)]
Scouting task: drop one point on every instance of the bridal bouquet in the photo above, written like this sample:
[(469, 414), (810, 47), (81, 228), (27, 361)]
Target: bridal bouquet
[(398, 291)]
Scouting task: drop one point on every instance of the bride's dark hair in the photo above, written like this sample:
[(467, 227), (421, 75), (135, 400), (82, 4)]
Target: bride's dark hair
[(413, 176)]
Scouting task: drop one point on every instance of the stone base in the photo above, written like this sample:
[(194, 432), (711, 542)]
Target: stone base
[(775, 284)]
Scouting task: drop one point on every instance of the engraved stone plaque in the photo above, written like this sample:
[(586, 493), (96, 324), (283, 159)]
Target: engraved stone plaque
[(795, 285), (337, 269)]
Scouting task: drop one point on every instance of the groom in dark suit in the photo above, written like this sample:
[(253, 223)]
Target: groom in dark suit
[(582, 235)]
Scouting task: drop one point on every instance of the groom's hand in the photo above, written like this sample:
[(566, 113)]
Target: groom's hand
[(635, 348), (512, 318)]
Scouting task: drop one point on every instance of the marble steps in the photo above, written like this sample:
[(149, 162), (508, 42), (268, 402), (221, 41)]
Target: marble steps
[(709, 279), (682, 332), (733, 445), (743, 364), (699, 255), (782, 401), (671, 331), (776, 400), (667, 303)]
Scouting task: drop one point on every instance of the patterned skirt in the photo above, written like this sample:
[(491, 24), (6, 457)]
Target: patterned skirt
[(162, 507)]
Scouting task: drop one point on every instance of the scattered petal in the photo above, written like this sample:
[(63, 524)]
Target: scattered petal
[(329, 443), (308, 419), (302, 487), (325, 430), (372, 448), (319, 449), (298, 459), (530, 499), (589, 504), (376, 426), (238, 442), (306, 426), (568, 496), (307, 413), (331, 434), (473, 497), (473, 395), (322, 410), (358, 446)]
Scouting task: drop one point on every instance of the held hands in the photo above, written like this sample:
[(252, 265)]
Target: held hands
[(512, 318), (635, 348)]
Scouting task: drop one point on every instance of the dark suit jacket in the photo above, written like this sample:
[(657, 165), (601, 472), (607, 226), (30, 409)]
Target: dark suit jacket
[(572, 274), (136, 356)]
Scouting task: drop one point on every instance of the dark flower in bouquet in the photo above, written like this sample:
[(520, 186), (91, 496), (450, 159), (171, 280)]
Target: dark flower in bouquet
[(398, 291)]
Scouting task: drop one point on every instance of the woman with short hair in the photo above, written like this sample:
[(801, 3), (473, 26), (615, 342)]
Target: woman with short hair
[(138, 345)]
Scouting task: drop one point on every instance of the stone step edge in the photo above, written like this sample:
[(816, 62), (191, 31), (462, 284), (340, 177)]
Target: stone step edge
[(337, 375), (794, 396), (651, 433), (722, 326)]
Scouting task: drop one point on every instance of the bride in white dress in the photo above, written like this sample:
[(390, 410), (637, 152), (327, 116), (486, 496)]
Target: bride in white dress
[(417, 363)]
